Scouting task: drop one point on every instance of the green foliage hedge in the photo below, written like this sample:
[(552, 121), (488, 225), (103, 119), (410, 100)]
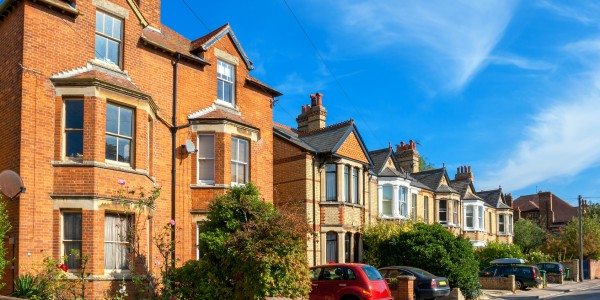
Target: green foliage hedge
[(496, 250), (427, 246)]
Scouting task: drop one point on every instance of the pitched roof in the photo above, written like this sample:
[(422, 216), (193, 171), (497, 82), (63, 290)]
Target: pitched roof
[(462, 186), (205, 42), (219, 113), (168, 40), (380, 158), (291, 135), (493, 197), (563, 211), (262, 86), (433, 180), (95, 72)]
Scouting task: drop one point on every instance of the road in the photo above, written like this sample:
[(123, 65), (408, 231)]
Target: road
[(591, 294)]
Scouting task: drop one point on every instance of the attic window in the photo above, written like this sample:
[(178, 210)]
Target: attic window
[(226, 82)]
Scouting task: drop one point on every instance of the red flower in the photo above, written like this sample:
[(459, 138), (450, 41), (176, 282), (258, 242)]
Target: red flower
[(63, 267)]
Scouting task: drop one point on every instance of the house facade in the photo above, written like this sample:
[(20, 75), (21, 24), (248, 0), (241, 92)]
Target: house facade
[(545, 209), (322, 172), (100, 96)]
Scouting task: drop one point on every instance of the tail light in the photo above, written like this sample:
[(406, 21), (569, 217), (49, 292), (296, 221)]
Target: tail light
[(433, 283), (533, 271), (561, 271), (367, 294)]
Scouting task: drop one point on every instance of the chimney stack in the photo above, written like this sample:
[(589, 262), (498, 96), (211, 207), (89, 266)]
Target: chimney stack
[(508, 199), (408, 156), (463, 173), (313, 115)]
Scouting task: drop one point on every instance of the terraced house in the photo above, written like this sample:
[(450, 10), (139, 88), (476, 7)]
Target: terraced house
[(322, 172), (98, 96)]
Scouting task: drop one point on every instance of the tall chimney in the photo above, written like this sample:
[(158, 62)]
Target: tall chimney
[(408, 156), (546, 211), (464, 173), (313, 115), (508, 199)]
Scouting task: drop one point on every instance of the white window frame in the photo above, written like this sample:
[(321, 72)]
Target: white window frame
[(118, 134), (510, 223), (501, 224), (445, 210), (200, 156), (481, 218), (403, 201), (355, 179), (223, 80), (237, 163), (391, 201), (425, 209), (118, 40), (472, 217), (62, 235)]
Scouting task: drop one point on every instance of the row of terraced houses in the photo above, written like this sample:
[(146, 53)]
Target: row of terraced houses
[(98, 95)]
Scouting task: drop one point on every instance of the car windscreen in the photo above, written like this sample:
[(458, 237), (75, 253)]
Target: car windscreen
[(421, 273), (371, 273)]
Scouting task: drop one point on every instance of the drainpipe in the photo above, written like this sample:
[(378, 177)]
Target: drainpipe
[(314, 210), (174, 152)]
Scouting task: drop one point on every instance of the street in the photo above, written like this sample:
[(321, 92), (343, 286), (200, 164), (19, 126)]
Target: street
[(591, 294), (589, 290)]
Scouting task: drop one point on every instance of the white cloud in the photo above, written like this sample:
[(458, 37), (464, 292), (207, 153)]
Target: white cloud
[(585, 12), (455, 37), (520, 62), (562, 140)]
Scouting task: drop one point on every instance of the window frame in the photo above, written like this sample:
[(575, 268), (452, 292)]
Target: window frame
[(330, 171), (199, 158), (226, 82), (63, 240), (455, 209), (444, 210), (237, 163), (348, 247), (118, 135), (328, 242), (346, 181), (110, 38), (414, 206), (501, 224), (403, 201), (426, 209), (391, 201), (471, 217), (481, 218), (355, 185), (129, 220), (67, 130)]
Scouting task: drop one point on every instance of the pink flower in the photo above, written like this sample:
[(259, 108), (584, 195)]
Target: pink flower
[(172, 222), (122, 181)]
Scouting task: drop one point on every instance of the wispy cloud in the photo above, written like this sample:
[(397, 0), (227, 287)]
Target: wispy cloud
[(456, 37), (585, 12), (520, 62), (562, 140)]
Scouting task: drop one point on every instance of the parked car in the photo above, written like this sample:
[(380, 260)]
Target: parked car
[(552, 268), (426, 285), (348, 282), (525, 276)]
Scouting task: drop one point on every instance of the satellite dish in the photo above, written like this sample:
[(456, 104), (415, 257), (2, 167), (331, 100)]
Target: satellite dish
[(11, 184), (189, 147)]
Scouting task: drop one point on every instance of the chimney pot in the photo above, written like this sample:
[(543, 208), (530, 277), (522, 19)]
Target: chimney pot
[(402, 144), (457, 170), (313, 99), (319, 99), (398, 148), (469, 169)]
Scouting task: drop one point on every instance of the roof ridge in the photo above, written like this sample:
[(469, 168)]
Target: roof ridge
[(283, 126), (201, 40), (340, 124)]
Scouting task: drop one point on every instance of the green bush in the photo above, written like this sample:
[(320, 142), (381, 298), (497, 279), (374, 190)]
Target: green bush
[(536, 257), (249, 251), (496, 250), (425, 246), (27, 286), (528, 235)]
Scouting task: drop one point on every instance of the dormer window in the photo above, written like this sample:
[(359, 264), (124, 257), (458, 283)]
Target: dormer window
[(226, 82), (109, 38)]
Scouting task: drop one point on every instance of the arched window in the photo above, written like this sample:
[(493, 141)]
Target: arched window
[(331, 247)]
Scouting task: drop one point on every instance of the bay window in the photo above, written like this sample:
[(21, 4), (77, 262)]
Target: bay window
[(330, 182), (239, 161), (116, 241), (443, 211), (73, 117), (403, 200), (501, 224), (206, 158), (119, 133), (387, 198), (469, 217)]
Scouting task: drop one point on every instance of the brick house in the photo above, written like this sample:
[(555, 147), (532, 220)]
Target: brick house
[(322, 172), (545, 209), (99, 95)]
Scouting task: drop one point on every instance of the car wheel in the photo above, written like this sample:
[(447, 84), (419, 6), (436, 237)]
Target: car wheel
[(415, 296), (350, 297), (519, 285), (550, 279)]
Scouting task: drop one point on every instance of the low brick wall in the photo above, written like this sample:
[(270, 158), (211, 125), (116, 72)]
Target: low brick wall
[(498, 283), (573, 266), (402, 287), (554, 278), (594, 269)]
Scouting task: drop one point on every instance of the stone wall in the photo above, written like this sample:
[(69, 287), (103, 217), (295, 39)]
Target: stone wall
[(498, 283), (573, 266)]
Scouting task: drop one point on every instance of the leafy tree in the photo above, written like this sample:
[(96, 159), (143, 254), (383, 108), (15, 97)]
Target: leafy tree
[(424, 164), (250, 251), (427, 246), (567, 241), (496, 250), (528, 235)]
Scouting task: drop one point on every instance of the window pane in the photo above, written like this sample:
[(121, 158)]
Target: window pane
[(116, 32), (234, 172), (346, 184), (100, 49), (72, 226), (330, 183), (72, 261), (331, 247), (243, 151), (206, 170), (112, 55), (124, 146), (108, 24), (242, 173), (112, 118), (74, 114), (99, 21), (356, 247), (111, 147), (387, 200), (355, 184), (234, 149), (469, 216), (347, 246), (220, 88), (74, 143), (125, 121), (206, 146)]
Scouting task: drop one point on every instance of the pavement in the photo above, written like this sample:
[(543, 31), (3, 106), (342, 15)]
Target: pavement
[(552, 290)]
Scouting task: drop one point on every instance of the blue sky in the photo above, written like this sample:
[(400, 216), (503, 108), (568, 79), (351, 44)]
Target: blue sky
[(510, 88)]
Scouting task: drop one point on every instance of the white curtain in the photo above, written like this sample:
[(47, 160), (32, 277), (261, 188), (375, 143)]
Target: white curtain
[(331, 247), (116, 247)]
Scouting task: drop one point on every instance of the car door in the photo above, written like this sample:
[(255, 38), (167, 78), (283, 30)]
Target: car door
[(316, 291), (330, 280)]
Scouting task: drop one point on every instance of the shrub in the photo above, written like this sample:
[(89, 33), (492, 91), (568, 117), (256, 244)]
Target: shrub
[(536, 257), (425, 246), (496, 250), (27, 286), (528, 235), (249, 251)]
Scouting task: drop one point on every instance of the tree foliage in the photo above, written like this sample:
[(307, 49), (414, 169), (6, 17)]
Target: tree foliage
[(496, 250), (427, 246), (249, 251), (424, 164), (528, 235), (565, 245), (4, 228)]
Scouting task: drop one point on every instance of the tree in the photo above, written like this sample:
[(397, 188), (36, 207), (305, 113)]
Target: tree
[(496, 250), (249, 251), (427, 246), (566, 244), (528, 235), (424, 164)]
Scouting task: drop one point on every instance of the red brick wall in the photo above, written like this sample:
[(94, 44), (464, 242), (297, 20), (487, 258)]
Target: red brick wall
[(32, 128)]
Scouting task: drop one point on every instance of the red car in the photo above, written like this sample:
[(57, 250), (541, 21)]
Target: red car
[(348, 282)]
